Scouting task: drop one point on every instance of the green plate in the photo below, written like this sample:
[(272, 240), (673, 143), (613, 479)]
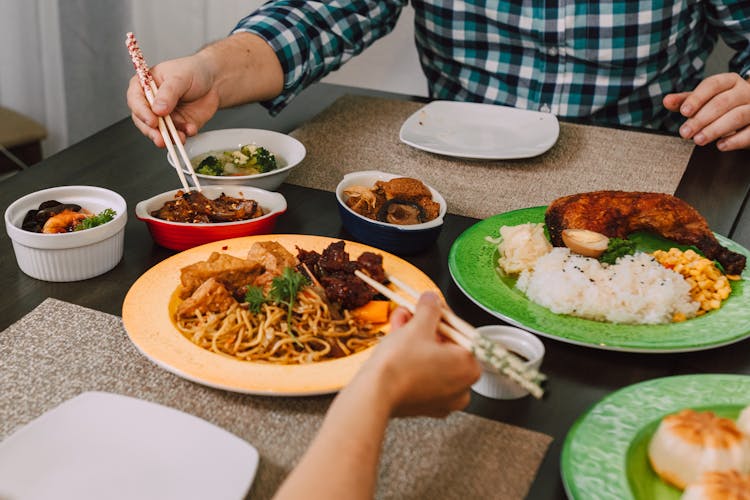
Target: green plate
[(472, 262), (605, 452)]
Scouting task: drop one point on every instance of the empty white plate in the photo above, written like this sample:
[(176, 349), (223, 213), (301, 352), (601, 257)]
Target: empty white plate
[(101, 445), (480, 131)]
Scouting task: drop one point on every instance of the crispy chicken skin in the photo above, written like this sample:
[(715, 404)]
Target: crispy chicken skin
[(620, 213)]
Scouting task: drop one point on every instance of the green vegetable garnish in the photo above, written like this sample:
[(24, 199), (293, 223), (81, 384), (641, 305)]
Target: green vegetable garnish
[(265, 161), (210, 165), (260, 158), (102, 217), (616, 248), (255, 298), (284, 290)]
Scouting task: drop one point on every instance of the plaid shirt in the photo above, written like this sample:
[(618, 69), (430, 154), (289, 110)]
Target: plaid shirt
[(611, 61)]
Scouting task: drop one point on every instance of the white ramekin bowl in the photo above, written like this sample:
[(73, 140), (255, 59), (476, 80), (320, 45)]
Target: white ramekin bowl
[(68, 256), (494, 385)]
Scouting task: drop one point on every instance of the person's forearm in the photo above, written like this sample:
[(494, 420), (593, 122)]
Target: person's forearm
[(343, 459), (244, 68)]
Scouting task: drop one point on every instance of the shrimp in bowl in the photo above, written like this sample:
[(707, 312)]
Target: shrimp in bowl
[(67, 233)]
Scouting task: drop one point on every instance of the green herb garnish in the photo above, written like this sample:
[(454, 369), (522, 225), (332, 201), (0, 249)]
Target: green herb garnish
[(284, 290), (102, 217), (616, 248), (255, 298), (210, 165)]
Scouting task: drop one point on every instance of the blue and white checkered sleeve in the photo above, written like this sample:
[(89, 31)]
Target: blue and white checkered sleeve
[(732, 17), (313, 38)]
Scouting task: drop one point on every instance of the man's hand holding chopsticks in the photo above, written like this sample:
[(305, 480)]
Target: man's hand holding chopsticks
[(186, 91), (239, 69)]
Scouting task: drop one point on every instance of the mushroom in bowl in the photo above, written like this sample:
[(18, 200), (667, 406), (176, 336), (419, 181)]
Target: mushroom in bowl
[(74, 250), (243, 157), (180, 220), (398, 214)]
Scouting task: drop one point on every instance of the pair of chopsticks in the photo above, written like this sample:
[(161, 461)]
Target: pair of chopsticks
[(462, 333), (166, 125)]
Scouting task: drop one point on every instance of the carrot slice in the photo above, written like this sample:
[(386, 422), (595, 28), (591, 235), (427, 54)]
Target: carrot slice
[(375, 311)]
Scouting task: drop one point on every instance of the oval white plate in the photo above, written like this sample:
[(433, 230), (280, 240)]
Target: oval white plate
[(480, 131), (102, 445)]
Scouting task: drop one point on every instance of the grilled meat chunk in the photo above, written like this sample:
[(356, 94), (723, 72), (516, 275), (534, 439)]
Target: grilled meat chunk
[(620, 213), (194, 207), (335, 272), (372, 264)]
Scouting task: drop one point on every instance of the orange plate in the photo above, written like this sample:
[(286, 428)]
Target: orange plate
[(145, 314)]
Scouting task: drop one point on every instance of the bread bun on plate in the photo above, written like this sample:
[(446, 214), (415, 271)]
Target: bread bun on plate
[(727, 485), (743, 421), (688, 443)]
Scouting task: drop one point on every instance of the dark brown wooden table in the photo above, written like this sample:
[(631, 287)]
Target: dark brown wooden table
[(119, 158)]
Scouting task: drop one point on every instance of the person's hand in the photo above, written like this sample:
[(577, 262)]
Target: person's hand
[(718, 109), (423, 373), (235, 70), (186, 91)]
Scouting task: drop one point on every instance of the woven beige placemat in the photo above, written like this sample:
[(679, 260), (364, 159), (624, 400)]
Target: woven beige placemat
[(60, 350), (362, 133)]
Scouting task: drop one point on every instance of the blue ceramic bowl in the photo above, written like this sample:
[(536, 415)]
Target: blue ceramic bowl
[(393, 238)]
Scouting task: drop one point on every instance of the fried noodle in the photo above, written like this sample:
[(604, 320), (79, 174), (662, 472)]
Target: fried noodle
[(265, 336)]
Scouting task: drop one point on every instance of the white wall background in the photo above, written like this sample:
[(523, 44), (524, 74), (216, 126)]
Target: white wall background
[(64, 62)]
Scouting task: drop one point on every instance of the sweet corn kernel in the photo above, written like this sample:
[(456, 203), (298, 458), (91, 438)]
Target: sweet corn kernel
[(708, 286)]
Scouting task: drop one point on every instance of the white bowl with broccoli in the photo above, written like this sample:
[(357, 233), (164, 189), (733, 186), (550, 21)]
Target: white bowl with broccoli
[(243, 156)]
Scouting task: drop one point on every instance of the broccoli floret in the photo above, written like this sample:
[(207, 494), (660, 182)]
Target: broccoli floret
[(265, 161), (210, 165)]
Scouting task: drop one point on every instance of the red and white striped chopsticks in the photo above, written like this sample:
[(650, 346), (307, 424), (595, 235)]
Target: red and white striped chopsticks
[(166, 125)]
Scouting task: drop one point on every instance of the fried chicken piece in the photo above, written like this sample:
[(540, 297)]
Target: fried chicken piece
[(211, 296), (404, 188), (431, 208), (407, 189), (620, 213), (232, 272)]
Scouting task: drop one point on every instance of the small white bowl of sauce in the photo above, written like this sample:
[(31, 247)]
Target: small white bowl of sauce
[(521, 343)]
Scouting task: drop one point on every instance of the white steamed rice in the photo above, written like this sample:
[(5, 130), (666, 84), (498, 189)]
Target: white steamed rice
[(636, 289)]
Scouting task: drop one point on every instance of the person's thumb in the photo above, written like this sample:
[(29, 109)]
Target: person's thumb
[(427, 313), (168, 95)]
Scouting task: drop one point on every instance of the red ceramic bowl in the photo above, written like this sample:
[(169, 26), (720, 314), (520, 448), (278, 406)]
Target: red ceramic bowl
[(182, 235)]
